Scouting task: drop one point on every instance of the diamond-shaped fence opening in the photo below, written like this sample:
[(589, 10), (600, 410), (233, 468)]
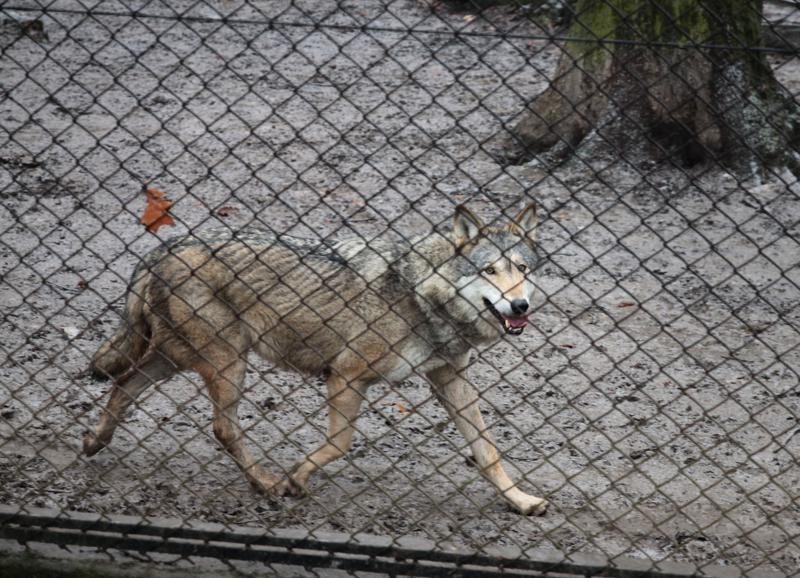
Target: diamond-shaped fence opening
[(487, 250)]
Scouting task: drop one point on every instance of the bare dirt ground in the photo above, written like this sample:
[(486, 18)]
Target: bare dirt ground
[(655, 399)]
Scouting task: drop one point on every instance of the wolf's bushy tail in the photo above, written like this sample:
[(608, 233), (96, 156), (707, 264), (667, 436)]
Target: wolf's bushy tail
[(127, 346)]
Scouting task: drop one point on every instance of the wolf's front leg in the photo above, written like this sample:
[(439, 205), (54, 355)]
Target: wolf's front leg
[(461, 401), (344, 400)]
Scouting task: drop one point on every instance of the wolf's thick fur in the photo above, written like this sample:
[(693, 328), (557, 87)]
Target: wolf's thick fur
[(354, 312)]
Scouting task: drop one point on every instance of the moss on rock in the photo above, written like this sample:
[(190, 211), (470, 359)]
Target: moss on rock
[(680, 77)]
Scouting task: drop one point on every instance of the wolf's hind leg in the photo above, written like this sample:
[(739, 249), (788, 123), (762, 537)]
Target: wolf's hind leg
[(153, 367), (344, 401), (460, 399), (224, 374), (219, 345)]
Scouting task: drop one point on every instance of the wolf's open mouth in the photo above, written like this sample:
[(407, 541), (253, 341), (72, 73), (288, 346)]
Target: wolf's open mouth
[(513, 325)]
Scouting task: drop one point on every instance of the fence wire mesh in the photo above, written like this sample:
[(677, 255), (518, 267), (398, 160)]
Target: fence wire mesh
[(652, 397)]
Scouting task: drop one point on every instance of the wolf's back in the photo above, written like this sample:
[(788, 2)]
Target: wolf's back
[(129, 342)]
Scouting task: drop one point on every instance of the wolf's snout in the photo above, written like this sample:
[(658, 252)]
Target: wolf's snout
[(519, 306)]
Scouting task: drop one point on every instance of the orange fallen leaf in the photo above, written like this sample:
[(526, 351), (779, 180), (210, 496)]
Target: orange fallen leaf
[(156, 213)]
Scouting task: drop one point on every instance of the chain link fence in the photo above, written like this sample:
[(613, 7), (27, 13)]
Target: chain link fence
[(652, 397)]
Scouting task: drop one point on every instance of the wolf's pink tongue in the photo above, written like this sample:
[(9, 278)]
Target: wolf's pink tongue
[(516, 322)]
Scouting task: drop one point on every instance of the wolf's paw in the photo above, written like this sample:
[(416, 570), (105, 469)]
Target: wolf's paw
[(288, 487), (92, 444), (261, 480), (532, 506)]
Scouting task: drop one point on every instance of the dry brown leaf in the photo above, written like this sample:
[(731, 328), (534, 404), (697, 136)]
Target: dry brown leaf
[(156, 213), (227, 211)]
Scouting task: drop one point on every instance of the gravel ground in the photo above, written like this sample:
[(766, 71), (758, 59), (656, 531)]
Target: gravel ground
[(655, 399)]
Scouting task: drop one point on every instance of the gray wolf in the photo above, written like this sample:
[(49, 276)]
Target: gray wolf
[(352, 311)]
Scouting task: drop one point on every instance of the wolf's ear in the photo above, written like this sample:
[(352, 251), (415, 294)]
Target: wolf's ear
[(466, 226), (526, 222)]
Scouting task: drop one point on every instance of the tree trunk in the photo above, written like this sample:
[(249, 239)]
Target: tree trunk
[(673, 78)]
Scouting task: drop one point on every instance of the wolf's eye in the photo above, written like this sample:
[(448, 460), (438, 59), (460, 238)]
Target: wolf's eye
[(490, 271), (522, 267)]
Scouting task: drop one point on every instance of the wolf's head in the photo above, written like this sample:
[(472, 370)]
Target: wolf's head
[(492, 271)]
